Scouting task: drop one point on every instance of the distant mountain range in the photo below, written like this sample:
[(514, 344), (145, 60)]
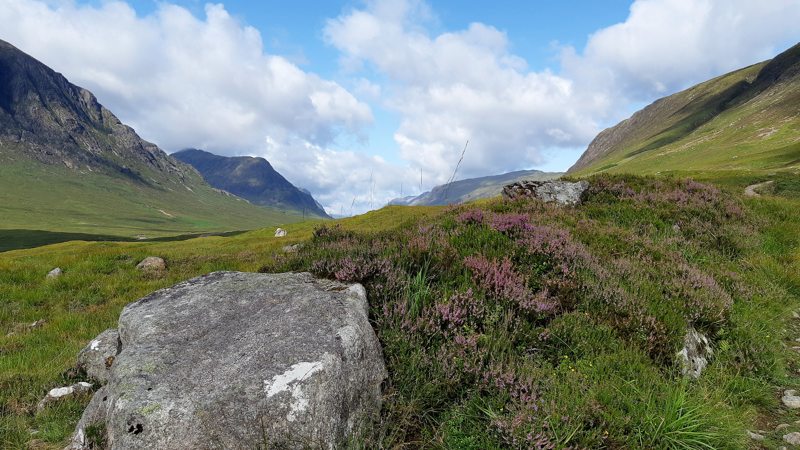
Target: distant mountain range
[(68, 164), (251, 178), (472, 189), (746, 120)]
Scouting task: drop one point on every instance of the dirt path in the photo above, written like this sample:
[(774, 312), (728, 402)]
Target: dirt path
[(752, 190)]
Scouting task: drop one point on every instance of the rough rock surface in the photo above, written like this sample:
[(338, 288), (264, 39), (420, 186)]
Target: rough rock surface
[(241, 360), (790, 399), (55, 273), (280, 232), (561, 192), (694, 355), (57, 394), (152, 263), (98, 356), (792, 438)]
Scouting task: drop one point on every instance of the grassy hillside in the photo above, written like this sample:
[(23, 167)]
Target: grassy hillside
[(745, 120), (504, 324), (41, 198)]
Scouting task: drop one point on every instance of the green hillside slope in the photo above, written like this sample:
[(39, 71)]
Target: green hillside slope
[(67, 164), (747, 120)]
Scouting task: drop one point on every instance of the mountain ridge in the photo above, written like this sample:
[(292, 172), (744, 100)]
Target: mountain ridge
[(745, 119), (251, 178), (70, 165)]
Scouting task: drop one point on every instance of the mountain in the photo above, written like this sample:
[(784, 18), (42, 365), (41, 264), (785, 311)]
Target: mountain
[(251, 178), (68, 164), (471, 189), (745, 120)]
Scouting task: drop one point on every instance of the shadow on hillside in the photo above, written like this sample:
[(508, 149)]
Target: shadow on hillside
[(21, 239)]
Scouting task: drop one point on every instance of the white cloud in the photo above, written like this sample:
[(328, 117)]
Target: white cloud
[(461, 86), (666, 45), (467, 84), (181, 80)]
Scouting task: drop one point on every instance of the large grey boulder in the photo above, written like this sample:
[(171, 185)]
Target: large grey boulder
[(240, 361), (99, 354), (561, 192)]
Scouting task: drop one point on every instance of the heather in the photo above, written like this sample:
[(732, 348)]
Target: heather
[(526, 325), (504, 324)]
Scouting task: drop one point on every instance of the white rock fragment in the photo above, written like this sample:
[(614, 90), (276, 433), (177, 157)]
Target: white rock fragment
[(56, 394), (790, 399), (280, 232), (55, 273)]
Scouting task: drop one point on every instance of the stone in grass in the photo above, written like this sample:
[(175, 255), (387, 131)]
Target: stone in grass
[(790, 399), (695, 353), (280, 232), (59, 393), (792, 438), (97, 357), (55, 273), (755, 436), (241, 360), (294, 248), (152, 264)]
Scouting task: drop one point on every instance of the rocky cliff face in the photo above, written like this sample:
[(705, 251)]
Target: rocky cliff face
[(251, 178), (45, 117)]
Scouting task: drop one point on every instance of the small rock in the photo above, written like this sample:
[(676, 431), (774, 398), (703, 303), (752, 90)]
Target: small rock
[(695, 353), (755, 436), (795, 315), (152, 264), (790, 399), (781, 426), (294, 248), (99, 354), (62, 392), (792, 438), (280, 232), (55, 273), (37, 324)]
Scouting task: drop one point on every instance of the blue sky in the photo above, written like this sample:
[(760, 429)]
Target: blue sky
[(335, 94)]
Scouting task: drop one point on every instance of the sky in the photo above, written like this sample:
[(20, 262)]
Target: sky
[(364, 101)]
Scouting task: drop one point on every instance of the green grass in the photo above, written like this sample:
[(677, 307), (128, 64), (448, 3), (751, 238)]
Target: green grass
[(603, 377), (44, 198)]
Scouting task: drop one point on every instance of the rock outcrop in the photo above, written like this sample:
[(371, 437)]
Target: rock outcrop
[(561, 192), (694, 355), (152, 264), (240, 360)]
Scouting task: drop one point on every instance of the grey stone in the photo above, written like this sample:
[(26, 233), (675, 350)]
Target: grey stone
[(790, 399), (55, 273), (94, 415), (561, 192), (57, 394), (694, 355), (792, 438), (781, 426), (98, 356), (152, 264), (241, 360), (755, 436), (280, 232), (294, 248)]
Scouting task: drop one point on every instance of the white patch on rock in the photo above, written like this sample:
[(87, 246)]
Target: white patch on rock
[(95, 344), (297, 372), (60, 392)]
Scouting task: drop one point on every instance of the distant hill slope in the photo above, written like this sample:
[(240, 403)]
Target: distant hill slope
[(746, 120), (251, 178), (471, 189), (68, 164)]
